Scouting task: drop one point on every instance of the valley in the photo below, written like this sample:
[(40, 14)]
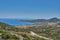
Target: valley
[(39, 30)]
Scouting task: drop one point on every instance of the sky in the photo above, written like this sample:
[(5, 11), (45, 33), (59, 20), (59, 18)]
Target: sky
[(29, 9)]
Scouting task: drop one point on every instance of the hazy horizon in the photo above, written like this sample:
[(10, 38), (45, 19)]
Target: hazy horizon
[(34, 9)]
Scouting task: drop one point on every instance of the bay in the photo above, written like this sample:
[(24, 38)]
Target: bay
[(14, 21)]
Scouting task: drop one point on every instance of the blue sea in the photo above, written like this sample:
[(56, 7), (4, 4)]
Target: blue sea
[(14, 21)]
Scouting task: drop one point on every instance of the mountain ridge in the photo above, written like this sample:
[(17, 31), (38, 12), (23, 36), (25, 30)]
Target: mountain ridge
[(55, 19)]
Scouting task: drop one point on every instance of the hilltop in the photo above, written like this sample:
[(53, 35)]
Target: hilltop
[(47, 29), (54, 19)]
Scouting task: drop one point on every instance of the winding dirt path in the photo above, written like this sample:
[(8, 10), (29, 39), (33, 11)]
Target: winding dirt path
[(34, 34)]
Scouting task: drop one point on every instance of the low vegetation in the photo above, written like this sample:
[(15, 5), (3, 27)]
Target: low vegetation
[(6, 32)]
